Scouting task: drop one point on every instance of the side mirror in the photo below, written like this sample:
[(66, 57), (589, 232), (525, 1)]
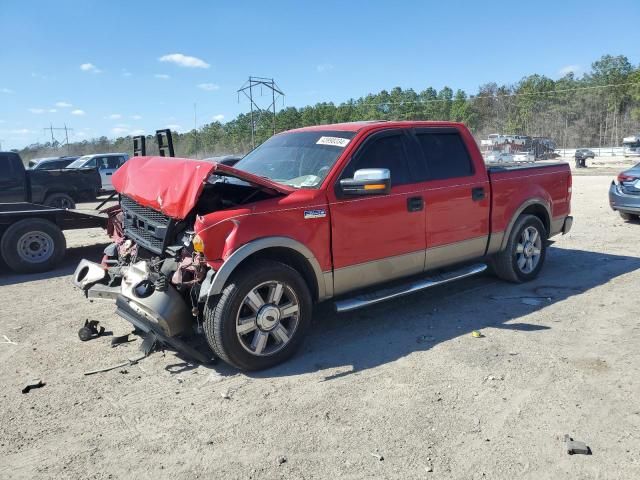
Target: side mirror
[(367, 181)]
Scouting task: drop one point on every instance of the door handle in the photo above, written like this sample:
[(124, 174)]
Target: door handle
[(415, 204), (477, 194)]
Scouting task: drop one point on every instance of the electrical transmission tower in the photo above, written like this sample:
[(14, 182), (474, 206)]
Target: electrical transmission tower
[(256, 111), (54, 142)]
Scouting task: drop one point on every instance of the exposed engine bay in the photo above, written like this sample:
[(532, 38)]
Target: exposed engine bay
[(152, 268)]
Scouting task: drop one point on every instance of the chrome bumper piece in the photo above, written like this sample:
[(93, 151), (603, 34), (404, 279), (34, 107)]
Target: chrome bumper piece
[(164, 308)]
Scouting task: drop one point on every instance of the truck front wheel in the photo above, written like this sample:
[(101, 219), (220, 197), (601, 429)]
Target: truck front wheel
[(261, 316), (33, 245), (522, 259)]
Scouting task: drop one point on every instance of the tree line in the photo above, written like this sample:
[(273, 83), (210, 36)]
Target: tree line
[(596, 109)]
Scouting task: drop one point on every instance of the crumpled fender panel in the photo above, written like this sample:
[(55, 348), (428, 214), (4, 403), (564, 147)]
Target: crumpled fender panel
[(173, 185)]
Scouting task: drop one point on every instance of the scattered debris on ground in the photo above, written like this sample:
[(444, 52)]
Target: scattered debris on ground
[(576, 447), (129, 362), (35, 383), (477, 334), (90, 330)]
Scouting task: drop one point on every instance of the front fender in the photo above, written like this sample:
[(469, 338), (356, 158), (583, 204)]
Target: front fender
[(215, 281)]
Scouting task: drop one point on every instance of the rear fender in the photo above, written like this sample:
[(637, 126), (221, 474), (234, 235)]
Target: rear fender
[(532, 202)]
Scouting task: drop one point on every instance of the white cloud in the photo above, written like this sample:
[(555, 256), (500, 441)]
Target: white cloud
[(63, 105), (209, 87), (77, 112), (114, 116), (324, 67), (52, 110), (218, 118), (8, 91), (37, 111), (173, 126), (184, 60), (569, 69), (122, 125), (120, 131), (3, 121), (137, 132), (89, 67), (162, 76), (126, 73), (20, 131), (136, 117)]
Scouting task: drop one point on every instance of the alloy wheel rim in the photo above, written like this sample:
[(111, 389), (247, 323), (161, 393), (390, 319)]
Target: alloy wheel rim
[(35, 247), (268, 318), (529, 250)]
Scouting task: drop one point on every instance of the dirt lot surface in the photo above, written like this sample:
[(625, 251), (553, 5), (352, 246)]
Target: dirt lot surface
[(401, 390)]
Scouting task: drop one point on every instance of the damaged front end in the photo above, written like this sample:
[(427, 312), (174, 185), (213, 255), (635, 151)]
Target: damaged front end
[(151, 269), (155, 280)]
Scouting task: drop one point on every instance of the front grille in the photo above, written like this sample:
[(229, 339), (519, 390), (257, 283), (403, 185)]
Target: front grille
[(147, 227)]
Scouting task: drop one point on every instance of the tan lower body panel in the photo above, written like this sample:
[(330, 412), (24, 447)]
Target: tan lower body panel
[(453, 253), (379, 271), (364, 274), (556, 226)]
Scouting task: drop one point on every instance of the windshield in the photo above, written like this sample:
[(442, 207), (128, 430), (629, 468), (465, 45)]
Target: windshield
[(79, 162), (297, 159)]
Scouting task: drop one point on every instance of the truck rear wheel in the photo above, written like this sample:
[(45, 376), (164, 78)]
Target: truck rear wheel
[(59, 200), (261, 317), (524, 255), (33, 245)]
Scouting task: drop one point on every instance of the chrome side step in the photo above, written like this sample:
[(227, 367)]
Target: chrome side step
[(367, 299)]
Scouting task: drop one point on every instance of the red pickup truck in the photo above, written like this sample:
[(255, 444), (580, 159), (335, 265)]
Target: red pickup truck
[(327, 212)]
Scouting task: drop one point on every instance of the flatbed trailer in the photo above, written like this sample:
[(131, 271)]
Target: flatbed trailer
[(31, 238)]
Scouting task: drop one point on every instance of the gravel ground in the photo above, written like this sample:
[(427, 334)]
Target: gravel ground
[(399, 390)]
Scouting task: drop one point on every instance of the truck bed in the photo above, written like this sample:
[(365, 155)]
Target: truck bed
[(65, 219), (516, 185)]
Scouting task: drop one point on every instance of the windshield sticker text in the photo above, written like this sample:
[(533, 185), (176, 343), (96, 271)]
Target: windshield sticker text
[(335, 141)]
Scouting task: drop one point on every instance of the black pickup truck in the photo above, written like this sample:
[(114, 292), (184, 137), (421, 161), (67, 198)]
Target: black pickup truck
[(31, 238), (53, 188)]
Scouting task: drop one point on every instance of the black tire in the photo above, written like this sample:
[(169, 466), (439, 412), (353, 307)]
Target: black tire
[(59, 200), (39, 252), (628, 216), (505, 263), (222, 312)]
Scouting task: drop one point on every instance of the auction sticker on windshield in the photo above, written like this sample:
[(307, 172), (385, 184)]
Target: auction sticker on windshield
[(335, 141)]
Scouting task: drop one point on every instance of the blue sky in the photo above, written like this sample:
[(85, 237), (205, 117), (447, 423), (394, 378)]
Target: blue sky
[(97, 65)]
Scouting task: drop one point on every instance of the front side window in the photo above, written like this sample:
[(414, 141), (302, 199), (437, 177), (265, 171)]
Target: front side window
[(383, 152), (297, 159), (445, 155)]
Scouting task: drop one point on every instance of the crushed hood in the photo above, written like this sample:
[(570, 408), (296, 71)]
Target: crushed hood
[(173, 185)]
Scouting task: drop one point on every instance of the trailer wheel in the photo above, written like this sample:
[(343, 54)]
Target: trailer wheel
[(522, 259), (60, 200), (261, 317), (32, 245)]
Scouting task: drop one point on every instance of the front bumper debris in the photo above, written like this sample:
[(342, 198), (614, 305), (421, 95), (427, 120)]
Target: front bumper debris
[(624, 202), (165, 308)]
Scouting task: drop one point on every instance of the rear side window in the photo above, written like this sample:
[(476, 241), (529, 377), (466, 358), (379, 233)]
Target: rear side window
[(445, 155), (9, 166), (383, 152), (113, 162)]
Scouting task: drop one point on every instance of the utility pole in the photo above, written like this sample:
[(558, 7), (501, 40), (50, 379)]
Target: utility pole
[(247, 90), (50, 129)]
